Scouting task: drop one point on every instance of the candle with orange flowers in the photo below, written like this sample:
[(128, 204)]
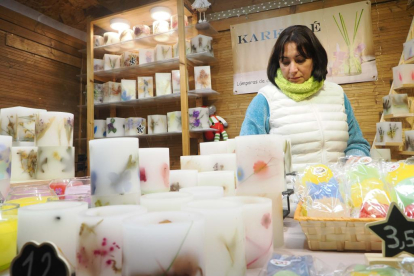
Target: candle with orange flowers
[(154, 169)]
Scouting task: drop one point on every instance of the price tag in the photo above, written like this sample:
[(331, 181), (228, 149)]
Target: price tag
[(39, 260), (396, 231)]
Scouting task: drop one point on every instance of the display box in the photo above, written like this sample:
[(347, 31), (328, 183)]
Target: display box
[(202, 77), (409, 140), (388, 132), (98, 93), (174, 121), (129, 90), (112, 92), (135, 126), (141, 31), (395, 104), (163, 83), (157, 124), (98, 65), (163, 52), (174, 21), (129, 59), (115, 127), (146, 56), (112, 62), (202, 44), (198, 118), (145, 87), (408, 50), (187, 48), (403, 76)]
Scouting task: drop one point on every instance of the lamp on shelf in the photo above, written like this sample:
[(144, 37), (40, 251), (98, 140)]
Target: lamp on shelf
[(160, 25), (160, 13), (119, 24), (201, 6)]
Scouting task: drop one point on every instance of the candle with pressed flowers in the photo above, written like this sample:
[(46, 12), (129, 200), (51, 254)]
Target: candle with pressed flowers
[(98, 65), (125, 37), (129, 90), (207, 148), (5, 156), (26, 121), (146, 56), (112, 62), (145, 87), (114, 171), (163, 84), (24, 163), (388, 132), (129, 59), (224, 162), (55, 162), (154, 169), (174, 121), (204, 192), (135, 126), (54, 129), (163, 52), (223, 179), (187, 48), (409, 140), (182, 178), (52, 221), (98, 40), (115, 127), (257, 218), (160, 27), (99, 129), (202, 44), (198, 118), (164, 243), (201, 163), (112, 92), (165, 201), (98, 93), (8, 234), (157, 124), (202, 77), (260, 172), (111, 38), (141, 30), (100, 240), (9, 121), (402, 75), (225, 247)]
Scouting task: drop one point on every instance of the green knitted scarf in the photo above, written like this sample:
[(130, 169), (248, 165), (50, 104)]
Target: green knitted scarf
[(298, 91)]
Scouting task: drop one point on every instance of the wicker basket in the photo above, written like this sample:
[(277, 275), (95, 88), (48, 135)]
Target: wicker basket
[(340, 234)]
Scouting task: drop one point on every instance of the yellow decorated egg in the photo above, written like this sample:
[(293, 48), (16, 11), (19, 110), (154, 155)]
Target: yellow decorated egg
[(317, 174), (371, 189)]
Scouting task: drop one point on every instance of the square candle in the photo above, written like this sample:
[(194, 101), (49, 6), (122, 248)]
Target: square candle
[(187, 48), (200, 163), (129, 59), (175, 75), (408, 50), (174, 121), (165, 201), (141, 30), (402, 75), (409, 140), (55, 162), (163, 83), (99, 129), (154, 169), (174, 21), (24, 163), (5, 156), (392, 132), (8, 120), (98, 40), (98, 65), (129, 90), (55, 129), (202, 44), (146, 56), (207, 148), (98, 93), (111, 40), (224, 162), (115, 127), (395, 104), (112, 92), (204, 192), (160, 27), (99, 252), (126, 37), (26, 123), (135, 126), (157, 124), (163, 52), (198, 118), (164, 241), (114, 171), (182, 179), (202, 77), (223, 179), (111, 62), (145, 87)]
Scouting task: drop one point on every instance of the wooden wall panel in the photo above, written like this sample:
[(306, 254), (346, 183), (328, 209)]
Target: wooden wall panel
[(38, 68)]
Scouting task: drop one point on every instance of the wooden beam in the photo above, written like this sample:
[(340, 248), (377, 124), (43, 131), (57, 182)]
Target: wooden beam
[(89, 92), (41, 50)]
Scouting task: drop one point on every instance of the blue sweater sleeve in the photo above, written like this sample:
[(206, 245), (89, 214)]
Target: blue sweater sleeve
[(257, 116), (357, 145)]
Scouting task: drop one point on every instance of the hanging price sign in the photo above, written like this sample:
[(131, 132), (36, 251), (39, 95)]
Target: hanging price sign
[(396, 232)]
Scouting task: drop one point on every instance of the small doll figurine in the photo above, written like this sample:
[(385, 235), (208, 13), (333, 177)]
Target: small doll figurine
[(218, 123), (201, 6)]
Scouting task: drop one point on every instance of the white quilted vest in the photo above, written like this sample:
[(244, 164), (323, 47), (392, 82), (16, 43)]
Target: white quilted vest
[(317, 127)]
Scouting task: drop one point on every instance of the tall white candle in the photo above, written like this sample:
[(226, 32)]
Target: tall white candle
[(100, 240), (26, 121), (99, 129), (164, 243), (204, 192), (225, 247), (223, 179), (257, 217), (24, 163), (165, 201), (115, 127), (98, 93), (183, 178), (201, 163), (207, 148), (157, 124), (154, 169), (5, 156), (54, 129), (174, 121), (114, 170), (55, 162), (9, 121), (224, 162), (52, 221)]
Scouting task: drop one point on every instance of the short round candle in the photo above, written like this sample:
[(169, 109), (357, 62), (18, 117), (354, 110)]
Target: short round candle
[(165, 201)]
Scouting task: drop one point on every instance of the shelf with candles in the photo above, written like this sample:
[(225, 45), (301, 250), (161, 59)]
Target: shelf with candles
[(404, 115), (390, 144), (194, 133), (406, 153), (405, 86)]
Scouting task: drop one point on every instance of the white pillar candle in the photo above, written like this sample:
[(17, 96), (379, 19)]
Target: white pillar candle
[(129, 59), (202, 77), (52, 221), (163, 84), (204, 192), (260, 171), (114, 171), (224, 162), (24, 163), (146, 56), (409, 140), (163, 52), (165, 201), (98, 65), (207, 148), (225, 247), (54, 129), (5, 156), (9, 121), (154, 170), (164, 243), (183, 178), (223, 179), (4, 187), (231, 145), (157, 124), (201, 44), (160, 27), (100, 240), (111, 92), (111, 38), (129, 90), (141, 30), (126, 37), (201, 163), (112, 62), (99, 129), (115, 127), (98, 93), (198, 118), (174, 121), (26, 122), (98, 40), (145, 87), (55, 162), (135, 126), (174, 21), (187, 48), (257, 217)]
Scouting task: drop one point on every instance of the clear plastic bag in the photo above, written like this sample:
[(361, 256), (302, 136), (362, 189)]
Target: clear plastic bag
[(287, 265), (373, 270)]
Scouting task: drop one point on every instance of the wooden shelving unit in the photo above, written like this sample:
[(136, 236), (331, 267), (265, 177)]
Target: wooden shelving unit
[(394, 116), (411, 153)]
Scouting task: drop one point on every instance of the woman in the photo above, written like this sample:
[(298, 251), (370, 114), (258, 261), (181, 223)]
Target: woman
[(298, 103)]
